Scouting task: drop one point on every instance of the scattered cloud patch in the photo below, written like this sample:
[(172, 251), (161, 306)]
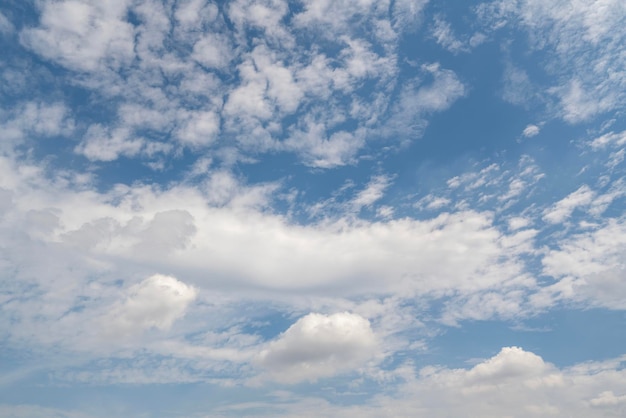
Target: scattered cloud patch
[(530, 131)]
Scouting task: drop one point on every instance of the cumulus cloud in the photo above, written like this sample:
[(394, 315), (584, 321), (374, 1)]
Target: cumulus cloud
[(318, 346), (156, 302), (514, 382)]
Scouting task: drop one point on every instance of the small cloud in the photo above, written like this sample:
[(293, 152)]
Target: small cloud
[(374, 191), (530, 131), (518, 222), (6, 27), (319, 346), (104, 144), (443, 34), (563, 209)]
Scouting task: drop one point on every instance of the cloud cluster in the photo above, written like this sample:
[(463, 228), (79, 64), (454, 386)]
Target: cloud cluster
[(514, 382), (123, 51)]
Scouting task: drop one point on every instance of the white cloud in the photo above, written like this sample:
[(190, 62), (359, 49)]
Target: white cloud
[(444, 36), (156, 302), (200, 129), (518, 222), (318, 149), (495, 184), (418, 100), (319, 346), (590, 266), (373, 192), (191, 13), (530, 131), (35, 120), (561, 210), (213, 51), (609, 139), (512, 383), (265, 15), (334, 15), (83, 35), (200, 233), (102, 144)]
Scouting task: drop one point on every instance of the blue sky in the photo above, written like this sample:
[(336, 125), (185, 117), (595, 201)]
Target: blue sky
[(312, 208)]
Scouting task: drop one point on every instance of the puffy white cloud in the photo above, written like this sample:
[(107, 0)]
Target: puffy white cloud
[(514, 382), (322, 150), (518, 222), (265, 14), (200, 129), (156, 302), (104, 144), (336, 15), (191, 13), (319, 346), (213, 51), (83, 35)]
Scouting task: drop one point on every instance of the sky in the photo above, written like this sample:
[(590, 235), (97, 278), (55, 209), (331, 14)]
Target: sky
[(312, 208)]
